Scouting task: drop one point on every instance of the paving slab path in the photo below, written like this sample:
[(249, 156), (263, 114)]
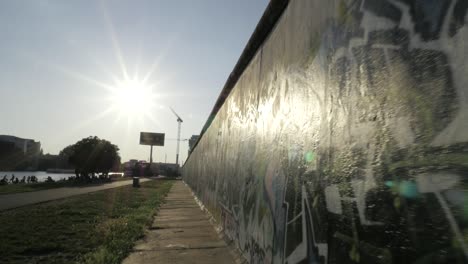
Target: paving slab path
[(9, 201), (181, 233)]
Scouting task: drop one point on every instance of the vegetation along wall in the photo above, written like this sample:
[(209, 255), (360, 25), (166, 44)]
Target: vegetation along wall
[(345, 139)]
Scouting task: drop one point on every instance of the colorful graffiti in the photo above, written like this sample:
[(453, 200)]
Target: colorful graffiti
[(346, 138)]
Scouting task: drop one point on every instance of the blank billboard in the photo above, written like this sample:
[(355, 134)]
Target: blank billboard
[(154, 139)]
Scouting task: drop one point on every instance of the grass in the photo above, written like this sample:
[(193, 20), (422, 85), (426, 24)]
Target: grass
[(31, 187), (100, 227)]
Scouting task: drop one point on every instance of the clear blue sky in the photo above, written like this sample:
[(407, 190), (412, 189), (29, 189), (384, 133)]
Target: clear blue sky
[(58, 56)]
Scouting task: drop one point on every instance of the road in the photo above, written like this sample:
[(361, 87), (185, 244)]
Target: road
[(9, 201)]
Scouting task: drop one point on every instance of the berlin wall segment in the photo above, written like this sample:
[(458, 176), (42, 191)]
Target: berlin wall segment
[(345, 140)]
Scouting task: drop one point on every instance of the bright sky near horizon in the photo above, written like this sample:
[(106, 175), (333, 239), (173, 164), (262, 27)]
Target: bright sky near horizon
[(72, 69)]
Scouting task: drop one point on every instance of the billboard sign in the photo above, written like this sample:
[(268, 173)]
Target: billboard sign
[(153, 139)]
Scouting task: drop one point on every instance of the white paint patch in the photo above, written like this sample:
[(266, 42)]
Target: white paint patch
[(332, 199), (436, 182)]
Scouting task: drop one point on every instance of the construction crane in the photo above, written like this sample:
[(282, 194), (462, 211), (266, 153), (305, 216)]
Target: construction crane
[(179, 121)]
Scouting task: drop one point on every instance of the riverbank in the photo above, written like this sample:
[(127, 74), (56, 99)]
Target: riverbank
[(43, 175), (95, 228), (31, 187)]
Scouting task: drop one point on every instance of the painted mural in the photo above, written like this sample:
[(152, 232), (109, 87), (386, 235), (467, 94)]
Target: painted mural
[(346, 138)]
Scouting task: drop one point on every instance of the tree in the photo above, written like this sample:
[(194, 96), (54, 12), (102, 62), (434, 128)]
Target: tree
[(91, 155)]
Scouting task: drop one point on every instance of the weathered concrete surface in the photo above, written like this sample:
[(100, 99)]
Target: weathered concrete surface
[(345, 138), (181, 233), (9, 201)]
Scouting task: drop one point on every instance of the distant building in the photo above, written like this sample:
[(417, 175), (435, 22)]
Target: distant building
[(143, 168), (167, 169), (192, 142), (129, 167), (19, 153), (26, 145)]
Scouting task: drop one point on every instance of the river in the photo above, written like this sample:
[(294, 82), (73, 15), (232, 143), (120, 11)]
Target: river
[(41, 175)]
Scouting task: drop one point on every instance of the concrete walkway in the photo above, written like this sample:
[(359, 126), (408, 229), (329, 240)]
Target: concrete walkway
[(180, 233), (9, 201)]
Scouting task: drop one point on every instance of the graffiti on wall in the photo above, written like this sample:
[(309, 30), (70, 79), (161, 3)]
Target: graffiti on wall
[(357, 155)]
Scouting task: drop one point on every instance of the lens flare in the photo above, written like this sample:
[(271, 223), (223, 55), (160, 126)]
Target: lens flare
[(133, 98)]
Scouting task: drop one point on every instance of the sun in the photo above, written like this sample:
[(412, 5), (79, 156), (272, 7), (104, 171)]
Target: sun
[(128, 96), (133, 98)]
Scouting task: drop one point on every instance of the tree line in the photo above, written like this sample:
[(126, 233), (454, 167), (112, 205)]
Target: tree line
[(87, 157)]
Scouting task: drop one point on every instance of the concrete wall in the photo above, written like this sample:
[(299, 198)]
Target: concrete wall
[(345, 139)]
